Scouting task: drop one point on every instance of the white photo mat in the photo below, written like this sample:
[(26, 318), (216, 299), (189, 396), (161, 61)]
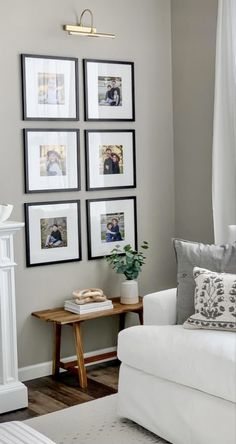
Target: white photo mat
[(97, 139), (96, 209), (96, 69), (37, 65), (34, 140), (36, 212)]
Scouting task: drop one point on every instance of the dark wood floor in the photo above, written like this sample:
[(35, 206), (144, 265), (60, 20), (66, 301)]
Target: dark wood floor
[(48, 395)]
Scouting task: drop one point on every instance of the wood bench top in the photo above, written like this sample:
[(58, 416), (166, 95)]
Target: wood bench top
[(61, 316)]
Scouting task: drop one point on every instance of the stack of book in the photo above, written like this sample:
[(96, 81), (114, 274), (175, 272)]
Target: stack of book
[(90, 307)]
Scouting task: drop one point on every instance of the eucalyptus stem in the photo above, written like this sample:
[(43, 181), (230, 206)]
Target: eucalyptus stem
[(128, 261)]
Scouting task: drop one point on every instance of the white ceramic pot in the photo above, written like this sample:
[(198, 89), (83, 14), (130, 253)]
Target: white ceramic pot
[(129, 292), (5, 212)]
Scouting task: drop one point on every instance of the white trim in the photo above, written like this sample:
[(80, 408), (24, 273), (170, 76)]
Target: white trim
[(45, 368), (13, 396)]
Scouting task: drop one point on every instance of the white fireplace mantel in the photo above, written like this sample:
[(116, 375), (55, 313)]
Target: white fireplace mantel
[(13, 394)]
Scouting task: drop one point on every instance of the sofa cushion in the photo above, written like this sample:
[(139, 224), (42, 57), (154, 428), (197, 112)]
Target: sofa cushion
[(201, 359), (215, 301), (219, 258)]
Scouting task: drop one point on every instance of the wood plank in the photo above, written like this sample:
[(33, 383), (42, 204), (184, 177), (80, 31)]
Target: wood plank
[(18, 415), (88, 360), (56, 350), (95, 388), (67, 365), (100, 357), (98, 390), (80, 356), (42, 404), (108, 375), (62, 316), (65, 391), (67, 395), (44, 314)]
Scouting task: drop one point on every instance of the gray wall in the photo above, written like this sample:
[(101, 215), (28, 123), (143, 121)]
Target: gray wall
[(37, 29), (193, 62)]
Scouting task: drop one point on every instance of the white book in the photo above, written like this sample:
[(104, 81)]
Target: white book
[(82, 307), (91, 310), (77, 307)]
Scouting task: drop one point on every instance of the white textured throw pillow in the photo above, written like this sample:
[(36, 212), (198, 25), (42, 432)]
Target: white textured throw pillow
[(214, 300)]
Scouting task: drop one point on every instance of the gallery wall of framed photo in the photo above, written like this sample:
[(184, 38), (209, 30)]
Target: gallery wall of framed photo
[(52, 157)]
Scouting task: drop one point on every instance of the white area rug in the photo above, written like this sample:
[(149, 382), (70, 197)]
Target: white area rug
[(92, 422)]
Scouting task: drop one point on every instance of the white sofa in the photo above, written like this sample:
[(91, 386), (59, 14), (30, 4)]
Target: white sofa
[(178, 383)]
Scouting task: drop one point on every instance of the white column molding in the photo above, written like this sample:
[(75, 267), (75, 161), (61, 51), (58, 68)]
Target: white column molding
[(13, 394)]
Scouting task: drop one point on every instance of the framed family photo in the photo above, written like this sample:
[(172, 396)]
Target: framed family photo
[(110, 222), (110, 159), (52, 160), (50, 87), (53, 233), (109, 90)]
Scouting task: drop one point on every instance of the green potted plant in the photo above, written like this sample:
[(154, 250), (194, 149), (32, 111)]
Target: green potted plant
[(128, 262)]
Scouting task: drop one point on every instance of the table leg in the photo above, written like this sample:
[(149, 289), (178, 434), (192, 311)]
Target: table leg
[(56, 350), (80, 356), (140, 314), (122, 321)]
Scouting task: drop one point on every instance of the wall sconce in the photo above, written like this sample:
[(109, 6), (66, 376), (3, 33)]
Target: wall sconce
[(88, 31)]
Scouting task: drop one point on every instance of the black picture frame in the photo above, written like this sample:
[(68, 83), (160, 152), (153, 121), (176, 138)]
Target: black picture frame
[(122, 118), (33, 140), (25, 113), (56, 255), (122, 181), (97, 230)]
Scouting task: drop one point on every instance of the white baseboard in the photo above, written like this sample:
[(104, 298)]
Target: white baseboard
[(45, 368)]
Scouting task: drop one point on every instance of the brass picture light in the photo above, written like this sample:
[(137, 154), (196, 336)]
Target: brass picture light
[(88, 31)]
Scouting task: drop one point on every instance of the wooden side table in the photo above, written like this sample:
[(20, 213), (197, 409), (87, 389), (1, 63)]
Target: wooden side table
[(60, 317)]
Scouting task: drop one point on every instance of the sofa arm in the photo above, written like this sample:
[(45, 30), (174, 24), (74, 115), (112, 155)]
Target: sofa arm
[(160, 308)]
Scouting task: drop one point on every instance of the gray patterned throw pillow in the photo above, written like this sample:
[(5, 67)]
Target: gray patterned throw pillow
[(219, 258), (215, 301)]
